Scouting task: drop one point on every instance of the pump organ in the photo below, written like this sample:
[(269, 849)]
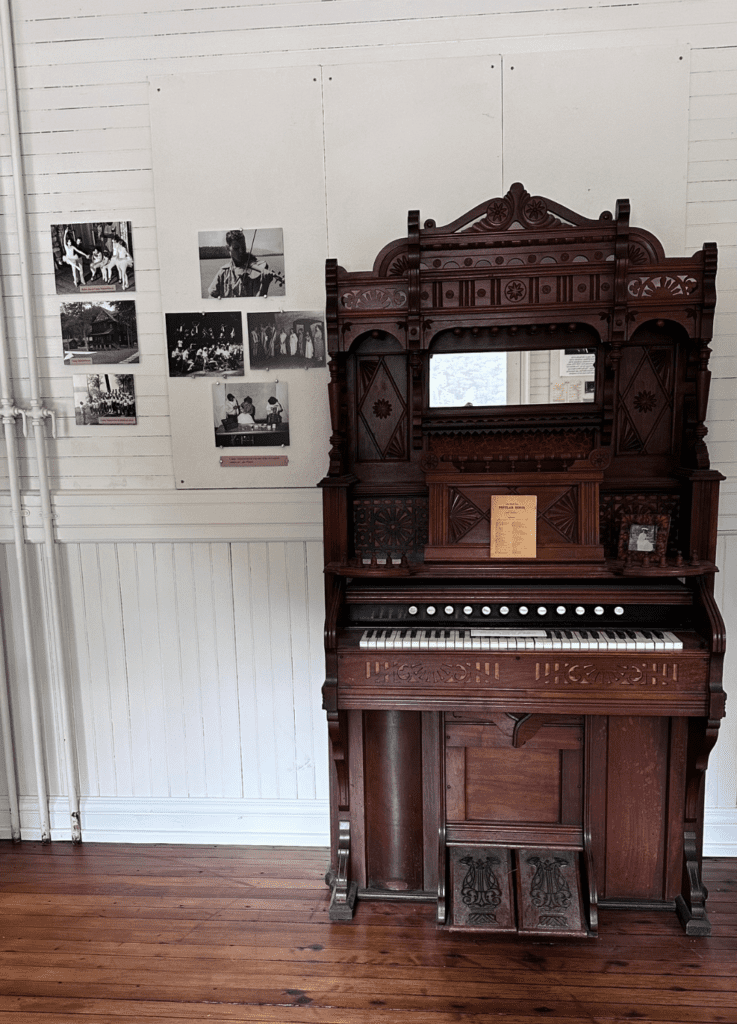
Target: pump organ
[(521, 740)]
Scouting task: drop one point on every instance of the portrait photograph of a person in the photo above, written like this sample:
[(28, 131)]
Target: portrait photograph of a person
[(642, 538), (240, 263)]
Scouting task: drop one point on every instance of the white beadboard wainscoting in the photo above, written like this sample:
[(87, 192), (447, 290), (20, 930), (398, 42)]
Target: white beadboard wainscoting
[(193, 619), (196, 673)]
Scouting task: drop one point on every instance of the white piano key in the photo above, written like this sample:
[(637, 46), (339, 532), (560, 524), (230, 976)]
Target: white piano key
[(669, 639), (673, 639), (644, 643), (584, 642)]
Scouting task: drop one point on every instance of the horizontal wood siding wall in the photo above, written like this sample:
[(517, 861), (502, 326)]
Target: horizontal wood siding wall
[(194, 621)]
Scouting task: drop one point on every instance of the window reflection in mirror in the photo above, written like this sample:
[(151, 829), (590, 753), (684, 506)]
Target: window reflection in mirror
[(537, 377)]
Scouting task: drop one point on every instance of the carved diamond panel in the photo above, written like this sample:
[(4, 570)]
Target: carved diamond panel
[(382, 409), (646, 407)]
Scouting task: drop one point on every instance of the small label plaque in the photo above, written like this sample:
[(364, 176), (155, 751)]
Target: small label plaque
[(513, 526), (253, 460)]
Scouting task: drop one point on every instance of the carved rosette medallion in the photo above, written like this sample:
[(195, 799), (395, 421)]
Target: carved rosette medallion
[(390, 527), (516, 291), (644, 401)]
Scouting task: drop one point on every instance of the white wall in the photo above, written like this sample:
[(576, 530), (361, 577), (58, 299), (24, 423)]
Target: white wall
[(194, 619)]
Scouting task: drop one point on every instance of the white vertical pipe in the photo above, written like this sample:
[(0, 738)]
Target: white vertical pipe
[(8, 418), (38, 413), (9, 413), (9, 752)]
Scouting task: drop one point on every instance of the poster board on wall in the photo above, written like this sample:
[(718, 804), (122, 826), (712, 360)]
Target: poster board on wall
[(242, 150), (335, 157), (588, 127)]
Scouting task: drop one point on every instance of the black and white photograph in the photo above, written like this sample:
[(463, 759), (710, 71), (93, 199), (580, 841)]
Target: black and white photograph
[(286, 339), (250, 415), (643, 537), (205, 344), (104, 399), (96, 257), (239, 263), (99, 332)]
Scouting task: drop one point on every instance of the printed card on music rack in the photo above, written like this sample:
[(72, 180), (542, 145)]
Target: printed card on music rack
[(513, 526)]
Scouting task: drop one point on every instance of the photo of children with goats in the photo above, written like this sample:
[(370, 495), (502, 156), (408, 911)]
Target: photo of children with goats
[(286, 339), (94, 257), (205, 344), (251, 414), (104, 399)]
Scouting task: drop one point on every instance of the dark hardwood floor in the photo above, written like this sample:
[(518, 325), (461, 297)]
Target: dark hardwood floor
[(129, 934)]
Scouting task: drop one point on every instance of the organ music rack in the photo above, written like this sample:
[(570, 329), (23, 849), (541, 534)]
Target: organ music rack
[(520, 788)]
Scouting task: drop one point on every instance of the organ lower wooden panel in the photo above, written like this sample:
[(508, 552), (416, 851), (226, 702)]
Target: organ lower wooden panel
[(491, 780), (646, 685), (638, 766)]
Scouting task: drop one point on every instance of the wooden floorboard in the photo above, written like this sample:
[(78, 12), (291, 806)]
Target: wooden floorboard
[(129, 934)]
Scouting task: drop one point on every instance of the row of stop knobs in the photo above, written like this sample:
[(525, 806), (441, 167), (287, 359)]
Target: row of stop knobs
[(504, 609)]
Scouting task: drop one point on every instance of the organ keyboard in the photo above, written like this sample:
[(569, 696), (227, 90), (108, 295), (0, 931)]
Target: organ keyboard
[(519, 740), (521, 639)]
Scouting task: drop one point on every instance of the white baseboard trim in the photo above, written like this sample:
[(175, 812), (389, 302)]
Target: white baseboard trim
[(157, 820), (720, 832), (241, 822)]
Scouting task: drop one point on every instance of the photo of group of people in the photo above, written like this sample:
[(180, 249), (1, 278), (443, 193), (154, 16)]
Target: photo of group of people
[(204, 344), (233, 263), (251, 414), (286, 339), (95, 257), (91, 258), (239, 263), (99, 332), (104, 399)]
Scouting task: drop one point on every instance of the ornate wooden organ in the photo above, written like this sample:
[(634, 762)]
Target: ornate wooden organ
[(521, 739)]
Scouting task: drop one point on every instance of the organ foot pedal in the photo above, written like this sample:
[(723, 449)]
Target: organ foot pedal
[(530, 892), (343, 893)]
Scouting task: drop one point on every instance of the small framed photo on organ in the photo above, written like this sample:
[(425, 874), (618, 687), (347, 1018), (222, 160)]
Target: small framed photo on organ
[(241, 263), (96, 333), (643, 538), (251, 415), (205, 344), (104, 399), (95, 257), (284, 339)]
